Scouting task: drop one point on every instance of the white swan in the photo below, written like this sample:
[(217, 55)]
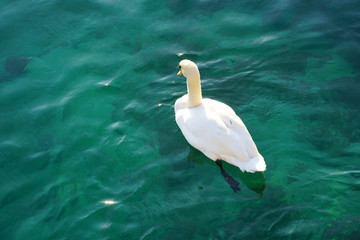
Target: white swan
[(213, 127)]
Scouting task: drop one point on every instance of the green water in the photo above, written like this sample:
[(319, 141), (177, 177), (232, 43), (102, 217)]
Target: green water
[(89, 148)]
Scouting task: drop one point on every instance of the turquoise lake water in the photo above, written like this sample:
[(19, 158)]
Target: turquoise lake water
[(89, 147)]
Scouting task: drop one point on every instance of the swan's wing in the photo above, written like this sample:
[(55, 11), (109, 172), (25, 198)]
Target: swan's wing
[(238, 138), (226, 113), (201, 129)]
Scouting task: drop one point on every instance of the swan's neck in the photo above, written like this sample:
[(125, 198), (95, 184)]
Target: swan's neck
[(194, 90)]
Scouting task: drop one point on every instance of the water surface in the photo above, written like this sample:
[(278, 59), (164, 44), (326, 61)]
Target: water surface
[(89, 148)]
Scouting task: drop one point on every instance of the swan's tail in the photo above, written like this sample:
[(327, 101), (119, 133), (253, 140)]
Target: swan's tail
[(256, 164)]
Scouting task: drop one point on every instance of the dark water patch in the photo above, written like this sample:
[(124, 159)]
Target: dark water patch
[(341, 125), (337, 135), (350, 51), (344, 91), (15, 67), (186, 8)]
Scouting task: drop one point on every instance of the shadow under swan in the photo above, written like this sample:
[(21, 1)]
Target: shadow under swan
[(253, 181)]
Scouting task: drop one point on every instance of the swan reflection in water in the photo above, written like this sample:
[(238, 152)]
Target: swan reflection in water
[(253, 181)]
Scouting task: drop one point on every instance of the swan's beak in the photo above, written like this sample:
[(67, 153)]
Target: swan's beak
[(180, 73)]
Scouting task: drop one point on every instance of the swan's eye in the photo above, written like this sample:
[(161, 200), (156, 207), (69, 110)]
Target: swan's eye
[(179, 67)]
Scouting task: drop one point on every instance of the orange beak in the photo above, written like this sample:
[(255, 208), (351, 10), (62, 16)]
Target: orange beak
[(179, 73)]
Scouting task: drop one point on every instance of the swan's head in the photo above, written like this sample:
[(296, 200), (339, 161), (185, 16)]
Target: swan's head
[(188, 69)]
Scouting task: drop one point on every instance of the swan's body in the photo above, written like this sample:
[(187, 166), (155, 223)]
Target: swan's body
[(213, 127)]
